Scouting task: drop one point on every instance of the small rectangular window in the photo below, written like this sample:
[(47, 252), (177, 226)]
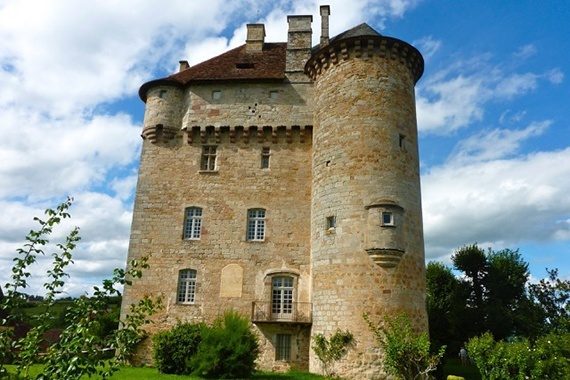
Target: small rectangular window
[(387, 218), (274, 94), (265, 155), (193, 223), (283, 347), (256, 224), (331, 222), (216, 95), (208, 161), (186, 286)]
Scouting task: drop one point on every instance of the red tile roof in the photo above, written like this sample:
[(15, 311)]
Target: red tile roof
[(236, 64)]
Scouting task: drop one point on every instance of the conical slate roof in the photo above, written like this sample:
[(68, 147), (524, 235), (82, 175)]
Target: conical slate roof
[(358, 31)]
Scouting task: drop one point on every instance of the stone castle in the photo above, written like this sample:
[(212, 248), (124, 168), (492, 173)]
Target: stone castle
[(282, 180)]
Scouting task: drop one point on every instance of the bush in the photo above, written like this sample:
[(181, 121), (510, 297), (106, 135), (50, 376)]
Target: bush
[(228, 349), (547, 358), (406, 352), (333, 349), (172, 349)]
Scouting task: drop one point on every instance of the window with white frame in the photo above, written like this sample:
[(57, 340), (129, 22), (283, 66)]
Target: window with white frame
[(192, 223), (283, 347), (186, 286), (387, 218), (256, 224), (208, 161), (282, 297)]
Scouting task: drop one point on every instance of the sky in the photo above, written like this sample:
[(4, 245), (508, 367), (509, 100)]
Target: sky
[(493, 114)]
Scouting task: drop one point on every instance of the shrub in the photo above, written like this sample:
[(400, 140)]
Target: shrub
[(406, 352), (172, 349), (547, 358), (228, 349), (333, 349)]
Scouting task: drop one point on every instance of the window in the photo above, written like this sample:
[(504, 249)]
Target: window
[(283, 347), (256, 224), (331, 222), (402, 141), (216, 95), (186, 286), (192, 223), (265, 154), (161, 93), (387, 218), (282, 297), (273, 94), (208, 162)]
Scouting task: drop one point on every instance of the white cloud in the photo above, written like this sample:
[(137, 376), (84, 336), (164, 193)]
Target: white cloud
[(497, 201), (555, 76), (495, 144), (104, 227), (46, 157), (456, 96), (526, 51), (452, 104), (428, 46)]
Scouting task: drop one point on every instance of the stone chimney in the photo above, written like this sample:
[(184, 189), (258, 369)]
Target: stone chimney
[(183, 65), (325, 12), (255, 38), (298, 46)]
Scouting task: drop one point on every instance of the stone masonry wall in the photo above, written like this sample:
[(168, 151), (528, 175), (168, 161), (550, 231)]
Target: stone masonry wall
[(364, 108), (170, 180)]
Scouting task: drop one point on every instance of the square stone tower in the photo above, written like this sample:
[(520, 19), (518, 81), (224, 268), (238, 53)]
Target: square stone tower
[(282, 180)]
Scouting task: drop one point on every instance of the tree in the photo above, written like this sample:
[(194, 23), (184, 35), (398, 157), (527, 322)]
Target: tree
[(79, 348), (505, 282), (472, 261), (552, 295), (446, 306), (496, 283)]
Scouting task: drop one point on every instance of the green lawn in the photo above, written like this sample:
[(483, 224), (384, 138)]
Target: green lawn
[(128, 373), (454, 367)]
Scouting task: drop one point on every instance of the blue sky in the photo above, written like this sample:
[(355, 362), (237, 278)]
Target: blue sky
[(492, 107)]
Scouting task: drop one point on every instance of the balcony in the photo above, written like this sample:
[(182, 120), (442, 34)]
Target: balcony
[(293, 312)]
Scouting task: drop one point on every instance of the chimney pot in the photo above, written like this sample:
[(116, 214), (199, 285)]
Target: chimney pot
[(325, 12), (183, 65)]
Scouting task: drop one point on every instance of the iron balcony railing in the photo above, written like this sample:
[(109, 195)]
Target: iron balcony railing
[(294, 312)]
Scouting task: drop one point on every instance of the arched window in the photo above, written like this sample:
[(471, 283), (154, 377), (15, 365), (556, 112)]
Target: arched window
[(186, 286), (192, 223), (282, 297), (256, 224)]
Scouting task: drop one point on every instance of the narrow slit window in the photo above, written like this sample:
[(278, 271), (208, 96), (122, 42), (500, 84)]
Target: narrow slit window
[(402, 141), (331, 222), (265, 156), (208, 161)]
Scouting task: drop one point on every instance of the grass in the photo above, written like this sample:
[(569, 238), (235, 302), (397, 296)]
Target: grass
[(145, 373), (454, 367)]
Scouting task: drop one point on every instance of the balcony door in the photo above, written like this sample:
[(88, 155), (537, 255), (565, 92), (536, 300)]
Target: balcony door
[(282, 298)]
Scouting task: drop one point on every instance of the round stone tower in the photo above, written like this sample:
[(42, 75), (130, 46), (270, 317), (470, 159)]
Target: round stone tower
[(163, 110), (367, 253)]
